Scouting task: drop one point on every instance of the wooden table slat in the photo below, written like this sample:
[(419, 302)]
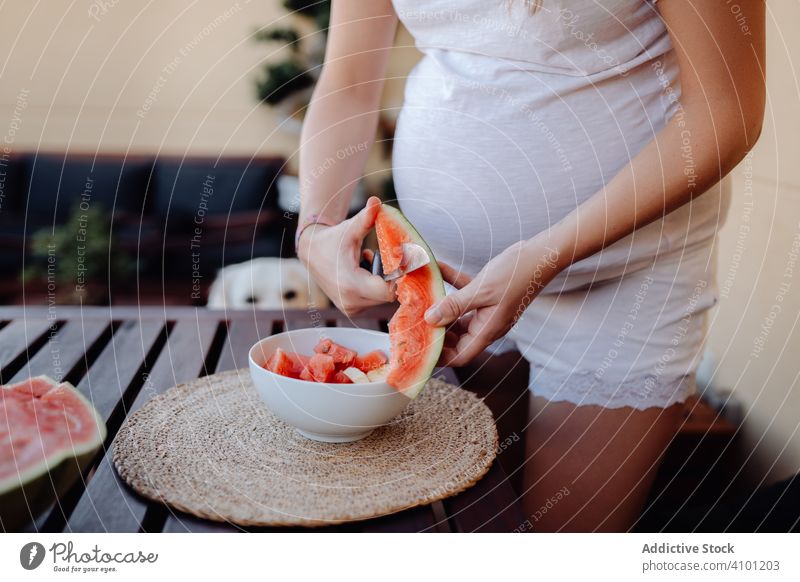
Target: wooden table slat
[(108, 504), (105, 384), (176, 312), (64, 350), (115, 368), (242, 334), (16, 339), (489, 506)]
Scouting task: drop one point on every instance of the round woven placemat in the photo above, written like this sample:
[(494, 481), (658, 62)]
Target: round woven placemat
[(212, 449)]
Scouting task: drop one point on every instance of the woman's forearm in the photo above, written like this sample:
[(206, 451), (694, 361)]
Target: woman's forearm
[(722, 107), (338, 132), (689, 156)]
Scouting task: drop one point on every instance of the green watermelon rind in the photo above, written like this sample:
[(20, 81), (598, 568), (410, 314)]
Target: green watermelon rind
[(30, 491), (437, 343)]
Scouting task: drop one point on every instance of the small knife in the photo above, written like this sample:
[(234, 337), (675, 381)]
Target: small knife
[(414, 257)]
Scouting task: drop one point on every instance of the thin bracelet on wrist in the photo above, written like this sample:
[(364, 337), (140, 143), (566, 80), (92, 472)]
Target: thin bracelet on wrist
[(310, 221)]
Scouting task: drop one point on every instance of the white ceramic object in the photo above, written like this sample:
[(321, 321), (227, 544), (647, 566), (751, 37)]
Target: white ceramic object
[(320, 411)]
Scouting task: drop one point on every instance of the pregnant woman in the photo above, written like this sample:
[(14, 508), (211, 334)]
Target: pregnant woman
[(562, 159)]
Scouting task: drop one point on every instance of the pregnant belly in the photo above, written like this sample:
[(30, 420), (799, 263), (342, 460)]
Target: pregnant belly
[(473, 185)]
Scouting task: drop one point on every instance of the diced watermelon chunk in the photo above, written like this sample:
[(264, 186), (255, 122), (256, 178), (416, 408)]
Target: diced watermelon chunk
[(321, 367), (340, 354), (306, 375), (370, 361), (341, 378), (299, 362), (281, 363), (331, 362)]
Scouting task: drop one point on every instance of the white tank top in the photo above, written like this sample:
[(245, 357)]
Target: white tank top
[(512, 119)]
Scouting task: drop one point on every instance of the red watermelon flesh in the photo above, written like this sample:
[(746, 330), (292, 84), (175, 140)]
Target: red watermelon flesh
[(299, 363), (305, 374), (342, 356), (287, 364), (281, 363), (415, 344), (370, 361), (324, 367), (341, 378), (321, 367), (43, 423)]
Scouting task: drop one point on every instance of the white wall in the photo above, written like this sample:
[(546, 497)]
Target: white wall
[(96, 79), (759, 266)]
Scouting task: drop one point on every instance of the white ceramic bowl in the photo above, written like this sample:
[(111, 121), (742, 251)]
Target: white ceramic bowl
[(322, 411)]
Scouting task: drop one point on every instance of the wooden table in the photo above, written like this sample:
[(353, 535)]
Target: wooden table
[(122, 356)]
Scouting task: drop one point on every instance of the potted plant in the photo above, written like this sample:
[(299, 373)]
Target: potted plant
[(77, 260), (286, 85)]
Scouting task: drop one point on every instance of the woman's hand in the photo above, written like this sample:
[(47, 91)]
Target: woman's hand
[(483, 309), (332, 255)]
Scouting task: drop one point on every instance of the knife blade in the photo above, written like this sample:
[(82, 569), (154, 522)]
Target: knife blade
[(414, 257)]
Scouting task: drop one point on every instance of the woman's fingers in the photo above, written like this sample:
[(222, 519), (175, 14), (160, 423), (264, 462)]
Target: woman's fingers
[(480, 334), (454, 305), (467, 337), (363, 222), (453, 276), (447, 357), (452, 336), (373, 287)]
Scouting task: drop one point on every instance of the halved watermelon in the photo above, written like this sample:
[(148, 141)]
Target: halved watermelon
[(415, 344), (48, 432)]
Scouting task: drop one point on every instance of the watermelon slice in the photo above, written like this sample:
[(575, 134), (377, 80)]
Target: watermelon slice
[(48, 433), (415, 344)]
